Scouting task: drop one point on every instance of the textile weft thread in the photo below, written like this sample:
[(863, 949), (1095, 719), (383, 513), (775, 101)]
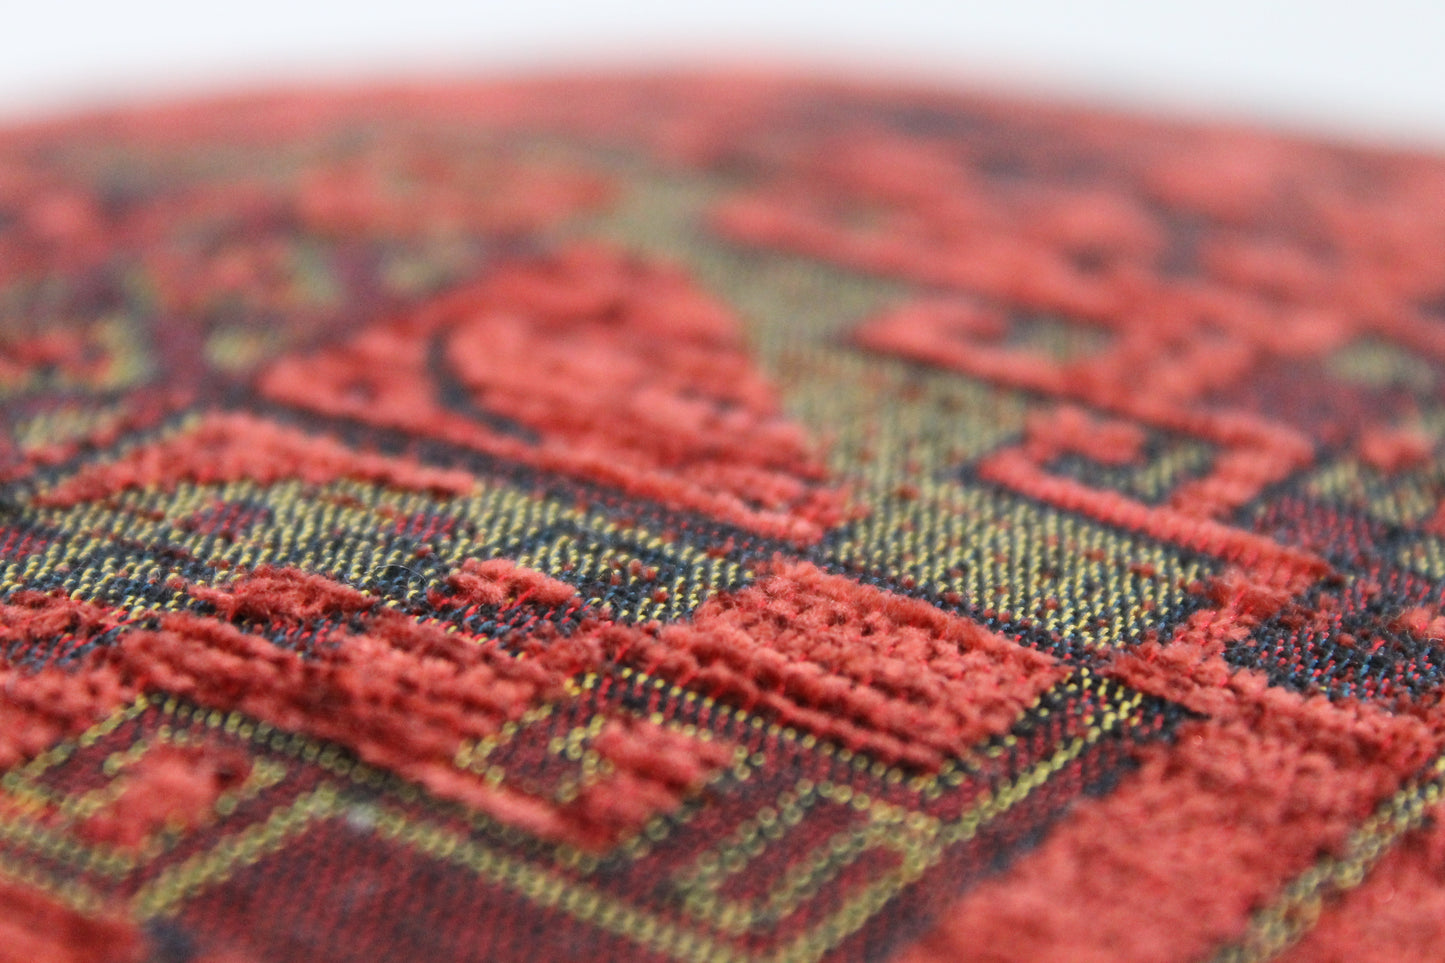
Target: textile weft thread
[(712, 519)]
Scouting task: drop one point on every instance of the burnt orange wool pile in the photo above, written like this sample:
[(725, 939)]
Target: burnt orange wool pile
[(717, 519)]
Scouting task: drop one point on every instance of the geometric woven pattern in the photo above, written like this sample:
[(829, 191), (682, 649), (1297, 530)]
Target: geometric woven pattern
[(715, 519)]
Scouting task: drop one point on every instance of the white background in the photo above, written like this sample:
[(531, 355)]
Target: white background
[(1364, 69)]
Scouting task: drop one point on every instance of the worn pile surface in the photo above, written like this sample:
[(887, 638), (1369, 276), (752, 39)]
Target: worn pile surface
[(716, 519)]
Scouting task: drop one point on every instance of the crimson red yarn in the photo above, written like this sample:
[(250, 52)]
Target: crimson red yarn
[(716, 518)]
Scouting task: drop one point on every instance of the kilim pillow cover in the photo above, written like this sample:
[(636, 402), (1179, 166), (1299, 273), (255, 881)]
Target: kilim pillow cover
[(711, 519)]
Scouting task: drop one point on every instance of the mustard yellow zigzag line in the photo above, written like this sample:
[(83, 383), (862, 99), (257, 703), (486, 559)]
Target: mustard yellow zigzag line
[(1300, 904), (924, 846), (548, 888), (28, 796), (887, 826), (68, 892), (79, 807)]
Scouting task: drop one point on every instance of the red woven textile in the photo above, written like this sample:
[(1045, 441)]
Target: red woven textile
[(716, 519)]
